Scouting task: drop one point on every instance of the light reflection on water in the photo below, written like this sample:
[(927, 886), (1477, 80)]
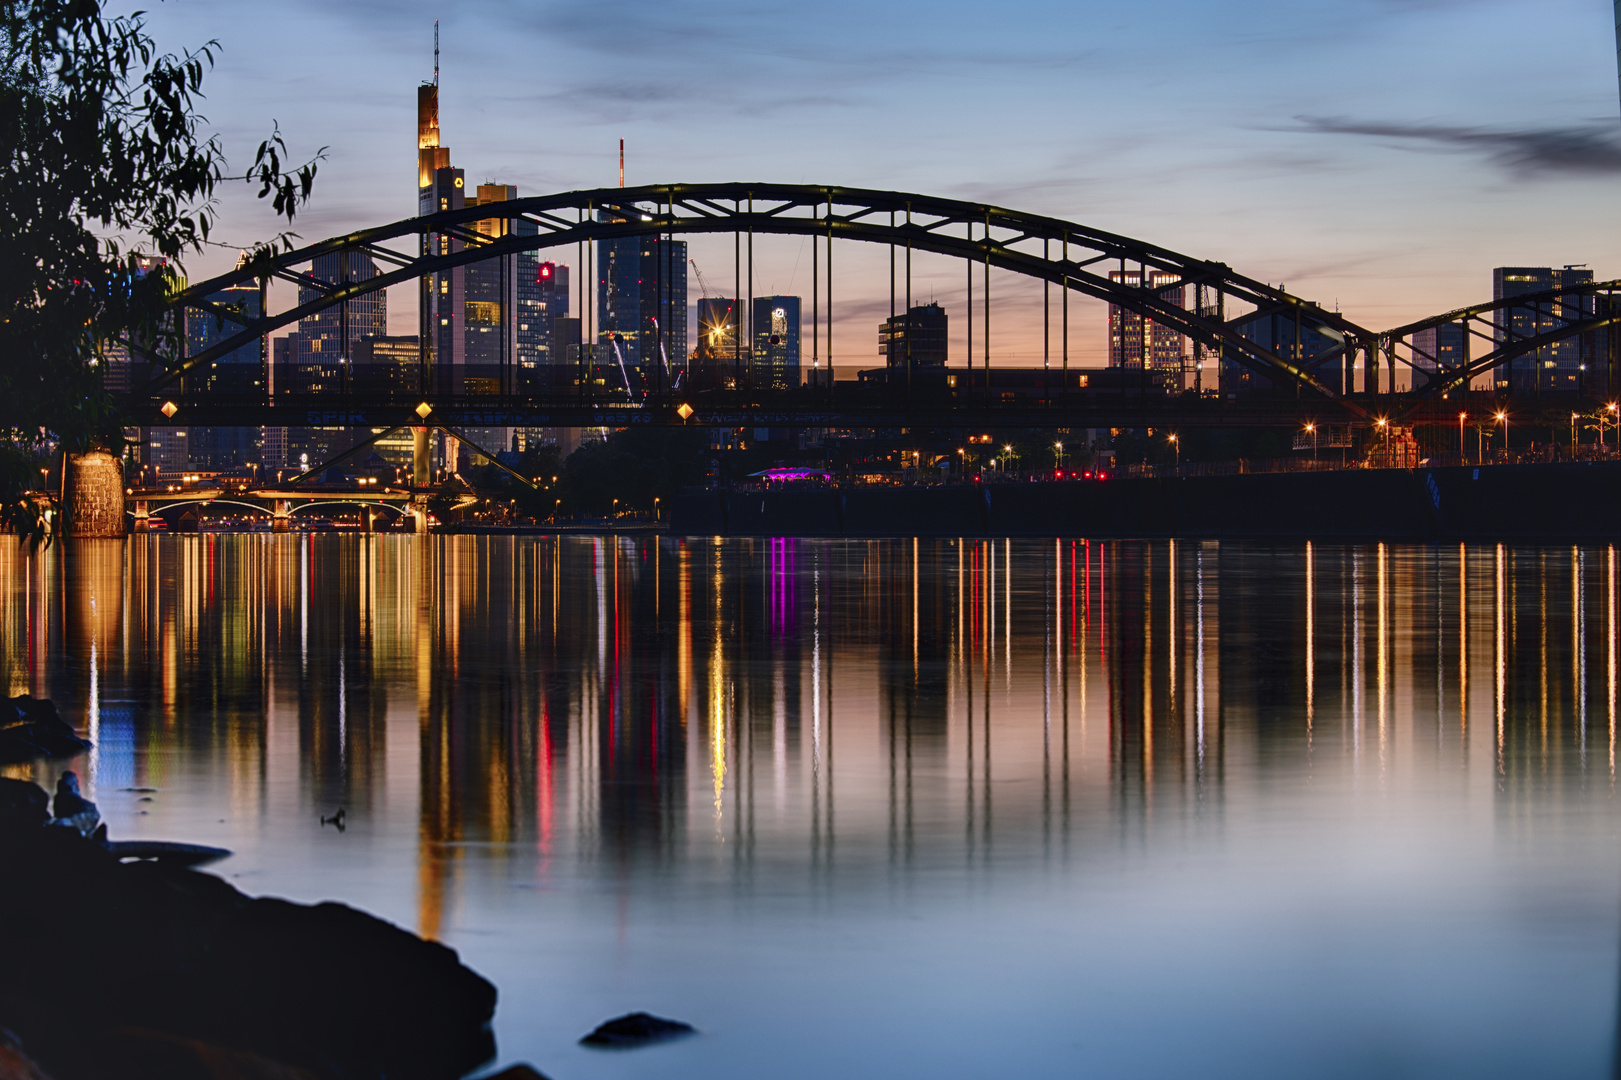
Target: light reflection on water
[(905, 807)]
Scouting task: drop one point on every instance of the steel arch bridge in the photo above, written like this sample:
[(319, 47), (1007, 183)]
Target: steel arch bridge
[(1075, 258), (1577, 312)]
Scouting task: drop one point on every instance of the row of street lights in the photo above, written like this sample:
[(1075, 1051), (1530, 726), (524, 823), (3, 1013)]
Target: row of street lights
[(1498, 417)]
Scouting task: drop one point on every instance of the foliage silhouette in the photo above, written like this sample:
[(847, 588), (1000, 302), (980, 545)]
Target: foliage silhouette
[(108, 181)]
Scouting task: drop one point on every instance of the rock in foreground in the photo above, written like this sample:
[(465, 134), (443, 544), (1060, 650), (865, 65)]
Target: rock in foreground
[(637, 1029), (30, 729), (110, 962)]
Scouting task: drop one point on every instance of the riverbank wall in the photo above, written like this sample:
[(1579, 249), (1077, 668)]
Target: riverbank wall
[(1575, 501)]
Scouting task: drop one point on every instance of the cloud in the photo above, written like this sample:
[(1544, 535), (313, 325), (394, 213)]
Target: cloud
[(1593, 149), (676, 97)]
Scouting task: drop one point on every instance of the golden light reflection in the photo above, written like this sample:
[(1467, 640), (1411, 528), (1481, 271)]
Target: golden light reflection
[(1500, 648), (1382, 653), (418, 681), (1463, 643), (1610, 647), (1311, 646), (717, 698)]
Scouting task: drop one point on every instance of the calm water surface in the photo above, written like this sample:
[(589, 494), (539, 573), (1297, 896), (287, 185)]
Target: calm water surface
[(897, 808)]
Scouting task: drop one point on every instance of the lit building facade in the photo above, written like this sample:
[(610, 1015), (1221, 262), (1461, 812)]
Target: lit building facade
[(1557, 366), (776, 342), (240, 373), (389, 364), (1136, 342), (1276, 332), (1441, 348), (916, 338), (543, 298), (642, 299), (327, 339), (719, 340)]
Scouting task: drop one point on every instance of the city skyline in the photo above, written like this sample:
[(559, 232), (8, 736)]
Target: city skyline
[(1353, 210)]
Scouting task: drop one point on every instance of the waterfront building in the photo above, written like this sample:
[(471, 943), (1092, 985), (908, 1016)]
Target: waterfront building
[(1136, 342), (272, 449), (916, 338), (1557, 366), (1305, 346), (776, 342), (167, 451)]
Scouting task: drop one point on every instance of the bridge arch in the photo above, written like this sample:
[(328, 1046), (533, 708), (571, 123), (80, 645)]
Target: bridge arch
[(1572, 311), (180, 503), (978, 233), (346, 502)]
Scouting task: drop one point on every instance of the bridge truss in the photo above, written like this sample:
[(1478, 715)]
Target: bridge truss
[(1071, 257), (1067, 257)]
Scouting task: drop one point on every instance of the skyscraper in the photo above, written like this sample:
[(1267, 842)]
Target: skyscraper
[(444, 293), (240, 373), (1556, 366), (328, 337), (476, 325), (718, 330), (776, 342), (642, 299), (1134, 341), (1440, 348), (916, 338), (543, 298)]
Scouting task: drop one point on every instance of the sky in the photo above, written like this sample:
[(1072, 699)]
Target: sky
[(1380, 156)]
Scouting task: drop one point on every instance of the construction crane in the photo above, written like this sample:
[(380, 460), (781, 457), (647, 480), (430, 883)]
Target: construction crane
[(704, 285)]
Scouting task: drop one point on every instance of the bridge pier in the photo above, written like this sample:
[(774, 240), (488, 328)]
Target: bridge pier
[(280, 520), (143, 516), (419, 457), (95, 495)]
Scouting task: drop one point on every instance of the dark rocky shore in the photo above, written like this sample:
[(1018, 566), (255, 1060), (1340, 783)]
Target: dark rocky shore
[(137, 969)]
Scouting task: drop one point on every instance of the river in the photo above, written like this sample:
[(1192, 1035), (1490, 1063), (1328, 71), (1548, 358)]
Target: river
[(900, 808)]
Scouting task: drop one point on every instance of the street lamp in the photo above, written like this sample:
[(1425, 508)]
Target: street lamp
[(1311, 429), (1502, 418), (1058, 446), (1573, 436), (1384, 428), (1461, 417), (1176, 444)]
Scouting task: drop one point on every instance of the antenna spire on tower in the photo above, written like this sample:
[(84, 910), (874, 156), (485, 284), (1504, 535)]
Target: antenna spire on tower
[(622, 153), (436, 52)]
